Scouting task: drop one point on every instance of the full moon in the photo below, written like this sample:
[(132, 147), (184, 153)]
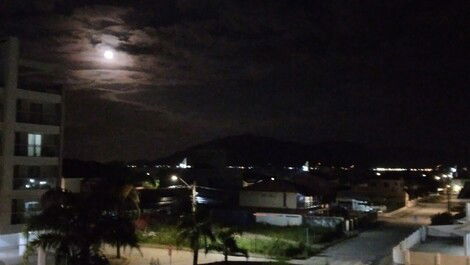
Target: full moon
[(108, 55)]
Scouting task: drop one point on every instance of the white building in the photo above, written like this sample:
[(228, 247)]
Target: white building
[(30, 138), (275, 194)]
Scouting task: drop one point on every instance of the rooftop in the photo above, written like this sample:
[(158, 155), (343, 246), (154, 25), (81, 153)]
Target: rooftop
[(276, 185)]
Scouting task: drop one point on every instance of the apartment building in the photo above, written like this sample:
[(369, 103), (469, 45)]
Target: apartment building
[(30, 138)]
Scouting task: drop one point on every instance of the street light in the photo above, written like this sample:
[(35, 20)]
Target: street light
[(175, 178)]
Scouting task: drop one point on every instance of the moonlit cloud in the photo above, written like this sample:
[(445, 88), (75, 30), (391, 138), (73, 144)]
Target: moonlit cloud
[(186, 71)]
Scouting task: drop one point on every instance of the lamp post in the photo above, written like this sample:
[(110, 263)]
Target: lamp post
[(175, 178)]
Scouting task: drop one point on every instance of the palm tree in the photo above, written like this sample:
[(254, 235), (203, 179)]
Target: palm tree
[(120, 198), (120, 233), (225, 242), (193, 228), (75, 226), (70, 227)]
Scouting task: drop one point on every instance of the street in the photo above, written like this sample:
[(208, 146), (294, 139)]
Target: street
[(370, 246)]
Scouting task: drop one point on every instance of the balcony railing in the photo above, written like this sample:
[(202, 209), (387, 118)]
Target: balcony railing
[(21, 217), (41, 88), (37, 118), (36, 150), (34, 183)]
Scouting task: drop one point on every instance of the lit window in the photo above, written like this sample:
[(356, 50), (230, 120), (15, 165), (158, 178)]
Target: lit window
[(34, 144)]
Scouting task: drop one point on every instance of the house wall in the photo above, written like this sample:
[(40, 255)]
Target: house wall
[(264, 199), (279, 219), (430, 258)]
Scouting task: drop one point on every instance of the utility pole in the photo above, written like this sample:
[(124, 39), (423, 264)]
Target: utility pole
[(448, 198), (306, 231), (193, 198)]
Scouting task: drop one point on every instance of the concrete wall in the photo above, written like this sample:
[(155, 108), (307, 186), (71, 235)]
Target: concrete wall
[(71, 184), (279, 219), (9, 241), (264, 199), (400, 251)]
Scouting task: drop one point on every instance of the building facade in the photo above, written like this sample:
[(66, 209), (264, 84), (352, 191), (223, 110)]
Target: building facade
[(30, 137), (277, 195)]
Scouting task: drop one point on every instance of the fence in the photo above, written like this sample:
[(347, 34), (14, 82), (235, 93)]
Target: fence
[(279, 219), (324, 221)]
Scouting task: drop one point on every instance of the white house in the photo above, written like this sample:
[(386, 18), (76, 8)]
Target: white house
[(276, 202)]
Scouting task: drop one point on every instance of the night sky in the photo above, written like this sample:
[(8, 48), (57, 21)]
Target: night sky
[(383, 73)]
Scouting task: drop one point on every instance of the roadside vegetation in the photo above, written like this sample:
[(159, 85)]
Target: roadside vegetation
[(273, 241)]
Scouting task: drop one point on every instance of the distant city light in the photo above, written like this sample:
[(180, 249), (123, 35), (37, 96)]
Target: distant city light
[(378, 174), (272, 178), (437, 177), (42, 182), (389, 169), (399, 169), (184, 164), (174, 178), (456, 188), (453, 169), (305, 167)]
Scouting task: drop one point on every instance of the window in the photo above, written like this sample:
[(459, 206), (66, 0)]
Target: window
[(34, 144), (22, 209)]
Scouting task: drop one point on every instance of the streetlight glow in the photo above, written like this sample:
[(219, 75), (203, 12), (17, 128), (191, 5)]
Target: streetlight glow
[(174, 178)]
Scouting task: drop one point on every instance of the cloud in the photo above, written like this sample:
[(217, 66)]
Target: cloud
[(294, 69)]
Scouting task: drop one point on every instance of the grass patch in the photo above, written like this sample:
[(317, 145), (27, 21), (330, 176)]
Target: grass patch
[(294, 233), (276, 248), (162, 234), (272, 241)]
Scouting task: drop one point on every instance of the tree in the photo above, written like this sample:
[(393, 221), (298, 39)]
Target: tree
[(74, 226), (120, 198), (225, 242), (124, 202), (70, 227), (192, 229), (445, 218)]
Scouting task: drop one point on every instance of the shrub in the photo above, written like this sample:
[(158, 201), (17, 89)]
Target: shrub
[(445, 218)]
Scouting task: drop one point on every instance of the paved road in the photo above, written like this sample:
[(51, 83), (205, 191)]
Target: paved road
[(370, 246)]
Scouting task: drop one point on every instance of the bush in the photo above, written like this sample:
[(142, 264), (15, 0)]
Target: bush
[(275, 248), (442, 219)]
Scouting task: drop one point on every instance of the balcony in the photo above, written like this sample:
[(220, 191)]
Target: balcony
[(34, 183), (38, 118), (22, 210), (34, 177), (36, 150)]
